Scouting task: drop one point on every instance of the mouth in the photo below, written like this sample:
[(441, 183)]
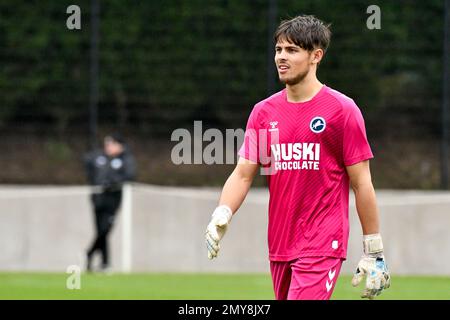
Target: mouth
[(283, 68)]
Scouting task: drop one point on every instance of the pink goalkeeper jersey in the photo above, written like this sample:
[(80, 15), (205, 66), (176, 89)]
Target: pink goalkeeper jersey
[(307, 147)]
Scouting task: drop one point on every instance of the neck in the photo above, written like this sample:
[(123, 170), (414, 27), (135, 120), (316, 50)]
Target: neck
[(305, 90)]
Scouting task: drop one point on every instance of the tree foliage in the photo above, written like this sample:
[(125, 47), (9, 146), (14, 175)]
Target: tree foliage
[(166, 63)]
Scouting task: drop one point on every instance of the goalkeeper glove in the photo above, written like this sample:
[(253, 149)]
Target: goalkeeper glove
[(216, 229), (373, 266)]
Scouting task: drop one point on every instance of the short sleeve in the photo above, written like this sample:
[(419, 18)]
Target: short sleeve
[(250, 147), (356, 148)]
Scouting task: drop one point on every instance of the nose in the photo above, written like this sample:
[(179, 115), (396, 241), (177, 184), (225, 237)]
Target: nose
[(280, 56)]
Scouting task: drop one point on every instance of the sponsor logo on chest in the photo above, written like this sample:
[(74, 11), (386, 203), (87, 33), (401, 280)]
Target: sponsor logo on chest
[(298, 155)]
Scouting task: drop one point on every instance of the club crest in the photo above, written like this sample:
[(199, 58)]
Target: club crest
[(317, 124)]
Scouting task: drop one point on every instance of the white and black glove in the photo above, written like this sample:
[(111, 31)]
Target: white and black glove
[(373, 266)]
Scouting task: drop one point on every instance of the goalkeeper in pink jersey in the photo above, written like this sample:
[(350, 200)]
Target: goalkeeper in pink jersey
[(312, 141)]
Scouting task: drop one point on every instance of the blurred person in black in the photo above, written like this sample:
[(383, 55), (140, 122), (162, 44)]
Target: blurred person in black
[(108, 169)]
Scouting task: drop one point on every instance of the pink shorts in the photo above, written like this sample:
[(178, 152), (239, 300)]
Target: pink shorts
[(309, 278)]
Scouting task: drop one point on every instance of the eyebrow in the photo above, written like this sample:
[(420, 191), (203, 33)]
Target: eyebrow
[(287, 47)]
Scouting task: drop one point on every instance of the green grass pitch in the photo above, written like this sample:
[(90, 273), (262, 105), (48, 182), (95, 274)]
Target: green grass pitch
[(166, 286)]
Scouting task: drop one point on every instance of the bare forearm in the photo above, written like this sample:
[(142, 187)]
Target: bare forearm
[(234, 191), (367, 208)]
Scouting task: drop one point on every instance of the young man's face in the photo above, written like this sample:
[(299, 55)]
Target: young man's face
[(293, 63)]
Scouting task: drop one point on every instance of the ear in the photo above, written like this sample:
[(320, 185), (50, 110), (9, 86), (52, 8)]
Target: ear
[(316, 56)]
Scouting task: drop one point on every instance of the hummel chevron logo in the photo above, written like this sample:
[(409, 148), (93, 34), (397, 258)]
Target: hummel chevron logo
[(329, 285), (331, 275)]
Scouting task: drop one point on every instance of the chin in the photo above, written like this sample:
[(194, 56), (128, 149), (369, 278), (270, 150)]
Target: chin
[(294, 80), (284, 80), (288, 81)]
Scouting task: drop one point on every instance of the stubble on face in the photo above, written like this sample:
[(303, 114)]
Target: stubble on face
[(296, 79)]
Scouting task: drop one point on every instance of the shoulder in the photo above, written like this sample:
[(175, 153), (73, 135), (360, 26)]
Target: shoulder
[(92, 155), (264, 107), (345, 103), (272, 100), (127, 154)]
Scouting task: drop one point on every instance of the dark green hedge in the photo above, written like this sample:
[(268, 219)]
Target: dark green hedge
[(164, 64)]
